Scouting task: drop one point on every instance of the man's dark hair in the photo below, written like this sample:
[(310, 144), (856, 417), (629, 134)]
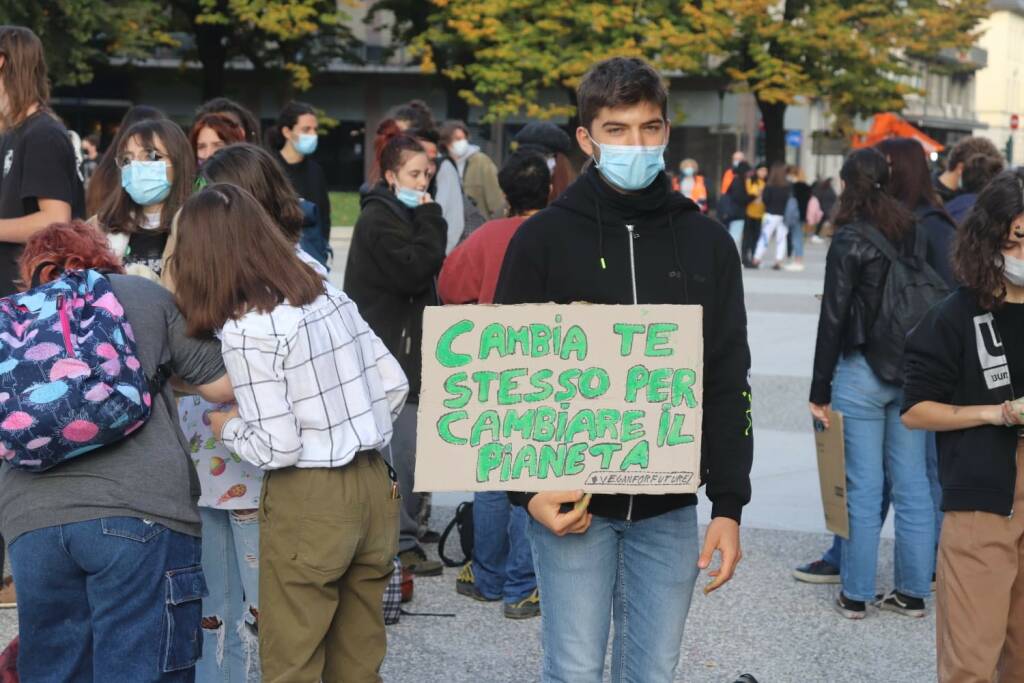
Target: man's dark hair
[(416, 113), (526, 182), (979, 170), (968, 147), (619, 82), (428, 134)]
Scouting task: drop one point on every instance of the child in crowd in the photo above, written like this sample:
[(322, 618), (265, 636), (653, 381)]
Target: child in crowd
[(397, 250), (317, 393)]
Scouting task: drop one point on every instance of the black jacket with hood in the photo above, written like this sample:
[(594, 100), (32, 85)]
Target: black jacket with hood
[(956, 356), (597, 245), (395, 255)]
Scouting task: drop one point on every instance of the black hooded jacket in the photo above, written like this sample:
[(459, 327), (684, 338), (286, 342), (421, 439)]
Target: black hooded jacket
[(578, 249), (395, 255)]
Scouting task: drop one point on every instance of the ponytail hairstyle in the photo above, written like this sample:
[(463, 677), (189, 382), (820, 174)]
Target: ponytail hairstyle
[(865, 198), (395, 152), (978, 247), (387, 129), (910, 180), (288, 117)]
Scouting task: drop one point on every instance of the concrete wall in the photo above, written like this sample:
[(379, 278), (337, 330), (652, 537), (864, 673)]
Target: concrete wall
[(999, 92)]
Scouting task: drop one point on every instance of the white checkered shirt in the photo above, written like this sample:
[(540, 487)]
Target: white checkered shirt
[(314, 385)]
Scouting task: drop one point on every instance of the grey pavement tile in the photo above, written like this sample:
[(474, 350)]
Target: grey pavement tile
[(764, 623)]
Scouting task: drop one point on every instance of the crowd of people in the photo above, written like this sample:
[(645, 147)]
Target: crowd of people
[(249, 525)]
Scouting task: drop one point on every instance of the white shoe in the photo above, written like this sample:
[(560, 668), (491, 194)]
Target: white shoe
[(793, 267), (815, 239)]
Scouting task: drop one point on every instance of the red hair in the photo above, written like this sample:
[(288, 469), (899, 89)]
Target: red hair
[(387, 130), (68, 246), (226, 129)]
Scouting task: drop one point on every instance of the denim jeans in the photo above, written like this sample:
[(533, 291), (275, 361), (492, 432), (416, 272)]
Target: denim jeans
[(736, 231), (932, 453), (641, 573), (833, 555), (111, 599), (231, 540), (878, 446), (502, 560)]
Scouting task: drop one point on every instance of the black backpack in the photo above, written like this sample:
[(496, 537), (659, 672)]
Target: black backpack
[(911, 288), (464, 521)]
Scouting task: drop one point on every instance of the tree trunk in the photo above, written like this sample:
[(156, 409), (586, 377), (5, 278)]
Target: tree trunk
[(213, 53), (773, 116), (455, 106)]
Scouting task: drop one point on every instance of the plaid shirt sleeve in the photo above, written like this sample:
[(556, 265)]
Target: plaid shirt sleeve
[(269, 436)]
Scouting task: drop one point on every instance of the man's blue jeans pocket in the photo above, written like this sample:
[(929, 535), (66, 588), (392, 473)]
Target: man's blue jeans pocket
[(183, 640)]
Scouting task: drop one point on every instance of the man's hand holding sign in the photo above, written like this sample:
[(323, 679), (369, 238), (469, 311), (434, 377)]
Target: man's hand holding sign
[(566, 401)]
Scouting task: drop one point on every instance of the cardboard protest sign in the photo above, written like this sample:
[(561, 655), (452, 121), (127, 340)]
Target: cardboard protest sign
[(832, 474), (548, 397)]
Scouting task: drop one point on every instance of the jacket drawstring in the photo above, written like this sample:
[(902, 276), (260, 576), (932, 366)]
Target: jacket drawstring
[(679, 262), (600, 235)]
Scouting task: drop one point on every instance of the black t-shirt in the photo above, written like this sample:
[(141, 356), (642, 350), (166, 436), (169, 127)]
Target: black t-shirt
[(310, 183), (38, 163), (1010, 323)]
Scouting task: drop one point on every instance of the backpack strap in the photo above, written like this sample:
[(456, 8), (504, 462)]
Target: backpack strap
[(156, 383), (444, 539), (37, 273), (880, 241)]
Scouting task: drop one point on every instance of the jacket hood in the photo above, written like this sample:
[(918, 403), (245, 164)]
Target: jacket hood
[(382, 193), (594, 199)]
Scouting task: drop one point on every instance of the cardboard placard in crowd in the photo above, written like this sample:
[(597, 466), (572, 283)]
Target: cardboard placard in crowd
[(832, 474), (607, 399)]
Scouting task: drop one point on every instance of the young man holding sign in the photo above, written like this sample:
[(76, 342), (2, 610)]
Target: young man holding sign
[(620, 236)]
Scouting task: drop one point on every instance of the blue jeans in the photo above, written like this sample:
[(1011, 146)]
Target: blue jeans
[(878, 446), (641, 573), (932, 453), (231, 540), (833, 555), (111, 599), (736, 231), (502, 560)]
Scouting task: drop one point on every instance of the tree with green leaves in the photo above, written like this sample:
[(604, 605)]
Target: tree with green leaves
[(855, 55), (521, 48), (293, 37), (79, 35)]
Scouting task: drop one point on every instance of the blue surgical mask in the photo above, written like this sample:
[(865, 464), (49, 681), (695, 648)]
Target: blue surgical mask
[(630, 167), (688, 171), (306, 144), (409, 196), (146, 182)]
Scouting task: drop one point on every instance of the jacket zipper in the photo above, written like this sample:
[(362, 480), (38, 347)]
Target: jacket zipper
[(632, 274), (65, 325)]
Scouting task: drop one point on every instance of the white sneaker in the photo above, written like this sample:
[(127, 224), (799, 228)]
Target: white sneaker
[(815, 239), (793, 267)]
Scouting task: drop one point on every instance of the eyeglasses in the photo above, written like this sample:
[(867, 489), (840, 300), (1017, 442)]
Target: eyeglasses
[(147, 155)]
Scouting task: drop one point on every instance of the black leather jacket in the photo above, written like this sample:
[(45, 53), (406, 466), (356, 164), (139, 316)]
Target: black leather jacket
[(855, 273)]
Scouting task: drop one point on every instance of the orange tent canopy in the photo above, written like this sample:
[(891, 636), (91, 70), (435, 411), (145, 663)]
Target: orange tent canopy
[(891, 125)]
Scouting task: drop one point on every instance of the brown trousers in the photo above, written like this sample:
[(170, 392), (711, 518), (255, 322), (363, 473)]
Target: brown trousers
[(328, 538), (979, 600)]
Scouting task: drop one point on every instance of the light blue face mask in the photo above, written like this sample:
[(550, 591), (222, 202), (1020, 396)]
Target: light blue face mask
[(630, 167), (306, 144), (146, 182), (409, 196)]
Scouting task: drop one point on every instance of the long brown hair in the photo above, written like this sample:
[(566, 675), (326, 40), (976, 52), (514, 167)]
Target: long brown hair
[(255, 170), (910, 181), (120, 213), (226, 129), (232, 259), (777, 175), (865, 196), (106, 179), (23, 74), (978, 249)]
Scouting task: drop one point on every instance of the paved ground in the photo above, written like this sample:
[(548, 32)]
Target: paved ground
[(763, 622)]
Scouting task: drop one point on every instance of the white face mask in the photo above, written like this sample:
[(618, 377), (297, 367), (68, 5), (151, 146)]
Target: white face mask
[(459, 148), (1013, 270)]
